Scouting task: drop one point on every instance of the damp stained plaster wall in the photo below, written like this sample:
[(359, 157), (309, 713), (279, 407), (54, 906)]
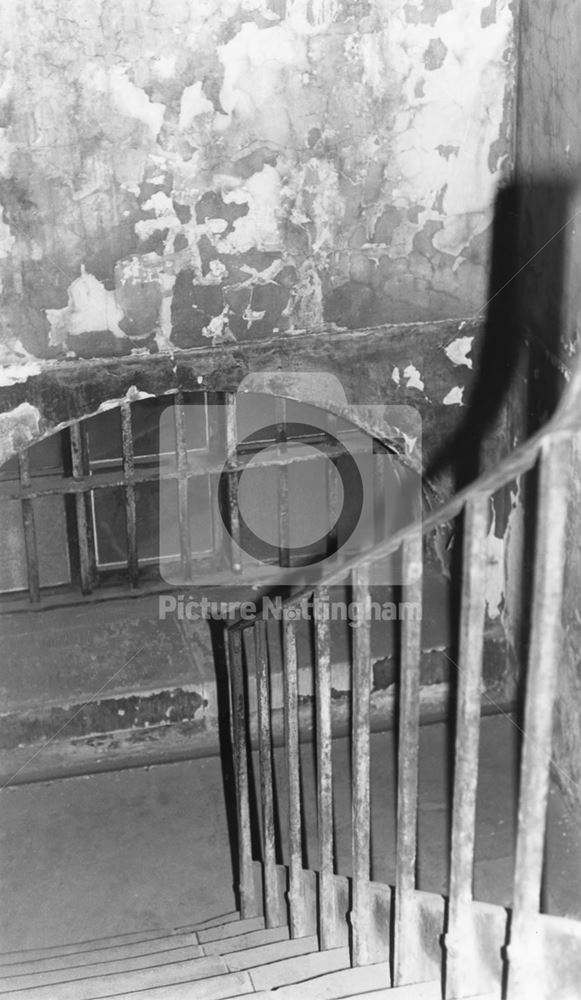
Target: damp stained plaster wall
[(226, 172), (548, 164), (174, 175)]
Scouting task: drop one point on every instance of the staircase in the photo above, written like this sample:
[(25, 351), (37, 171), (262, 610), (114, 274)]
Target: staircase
[(317, 935), (222, 957)]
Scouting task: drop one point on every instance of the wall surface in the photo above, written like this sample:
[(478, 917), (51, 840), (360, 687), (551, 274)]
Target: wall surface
[(191, 192), (180, 174)]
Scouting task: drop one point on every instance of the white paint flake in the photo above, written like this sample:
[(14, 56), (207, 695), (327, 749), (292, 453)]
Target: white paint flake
[(458, 350), (193, 103), (7, 241), (218, 329), (126, 97), (454, 397), (18, 428), (414, 378), (259, 227), (91, 308)]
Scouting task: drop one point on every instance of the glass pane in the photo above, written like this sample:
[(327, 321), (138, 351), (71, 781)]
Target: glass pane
[(303, 413), (167, 528), (104, 436), (110, 527), (310, 518), (10, 469), (200, 511), (47, 456), (51, 541), (258, 504), (196, 414), (13, 575), (146, 415), (147, 504), (254, 410)]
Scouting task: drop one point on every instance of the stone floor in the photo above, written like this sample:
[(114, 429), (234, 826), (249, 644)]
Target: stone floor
[(149, 848)]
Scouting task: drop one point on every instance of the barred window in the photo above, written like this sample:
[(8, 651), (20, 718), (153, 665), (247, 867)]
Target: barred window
[(81, 510)]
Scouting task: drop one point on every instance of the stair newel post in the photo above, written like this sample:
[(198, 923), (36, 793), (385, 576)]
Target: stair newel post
[(361, 842), (407, 763), (298, 917), (271, 907), (327, 915), (248, 903)]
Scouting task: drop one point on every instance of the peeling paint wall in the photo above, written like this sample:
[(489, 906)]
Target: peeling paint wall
[(225, 172), (174, 175)]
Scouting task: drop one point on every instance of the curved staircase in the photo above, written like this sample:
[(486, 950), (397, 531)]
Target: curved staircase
[(222, 957)]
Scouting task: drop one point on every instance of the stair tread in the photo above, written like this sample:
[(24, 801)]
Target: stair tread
[(209, 922), (91, 944), (335, 985), (111, 984), (262, 954), (230, 929), (268, 953), (77, 959), (31, 976), (22, 955), (270, 962), (300, 967), (252, 939)]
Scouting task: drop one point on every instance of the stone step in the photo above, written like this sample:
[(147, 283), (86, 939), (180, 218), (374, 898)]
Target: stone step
[(337, 985), (168, 944), (205, 978), (36, 974), (241, 942), (32, 976), (271, 956), (293, 970), (124, 939), (233, 928), (267, 953), (81, 947), (218, 921)]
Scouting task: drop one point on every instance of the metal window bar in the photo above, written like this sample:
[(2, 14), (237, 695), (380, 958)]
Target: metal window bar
[(232, 464), (543, 661), (327, 918), (291, 726), (129, 494), (183, 504), (332, 492), (266, 775), (29, 530), (240, 743), (205, 466), (283, 500), (459, 930), (361, 839), (407, 762), (80, 469)]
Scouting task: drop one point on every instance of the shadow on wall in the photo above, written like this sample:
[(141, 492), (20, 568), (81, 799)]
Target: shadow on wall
[(519, 377), (520, 362)]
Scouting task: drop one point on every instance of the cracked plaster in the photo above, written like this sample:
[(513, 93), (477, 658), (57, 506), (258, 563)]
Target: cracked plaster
[(345, 183)]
